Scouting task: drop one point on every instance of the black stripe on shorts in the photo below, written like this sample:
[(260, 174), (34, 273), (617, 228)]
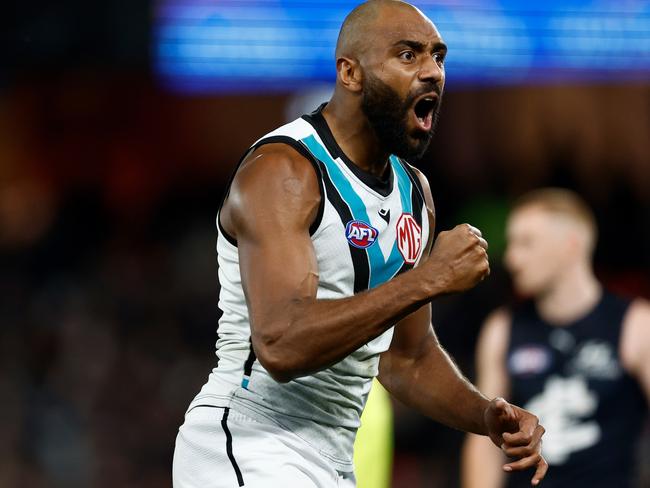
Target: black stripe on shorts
[(224, 425)]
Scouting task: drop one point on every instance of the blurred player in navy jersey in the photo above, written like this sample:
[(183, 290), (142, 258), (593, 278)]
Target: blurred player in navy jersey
[(573, 354)]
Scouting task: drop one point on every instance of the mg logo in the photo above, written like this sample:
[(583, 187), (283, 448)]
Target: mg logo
[(409, 238)]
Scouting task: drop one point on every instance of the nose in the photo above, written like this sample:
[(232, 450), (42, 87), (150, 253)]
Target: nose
[(431, 71)]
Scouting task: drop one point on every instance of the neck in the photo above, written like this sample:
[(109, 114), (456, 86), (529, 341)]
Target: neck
[(355, 137), (571, 297)]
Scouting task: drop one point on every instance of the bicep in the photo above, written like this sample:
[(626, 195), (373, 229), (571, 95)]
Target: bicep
[(480, 459), (635, 343), (275, 272), (492, 376), (271, 206), (412, 337), (413, 333)]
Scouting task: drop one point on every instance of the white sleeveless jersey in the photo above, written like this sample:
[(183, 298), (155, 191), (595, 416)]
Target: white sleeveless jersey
[(367, 231)]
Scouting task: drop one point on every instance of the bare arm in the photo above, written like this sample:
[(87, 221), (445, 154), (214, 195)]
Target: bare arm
[(272, 203), (416, 361), (480, 460), (418, 371), (635, 343)]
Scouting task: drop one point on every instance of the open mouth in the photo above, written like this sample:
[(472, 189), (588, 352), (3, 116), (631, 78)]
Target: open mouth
[(423, 110)]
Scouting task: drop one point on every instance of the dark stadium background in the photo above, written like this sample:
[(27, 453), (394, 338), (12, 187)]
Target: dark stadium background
[(109, 187)]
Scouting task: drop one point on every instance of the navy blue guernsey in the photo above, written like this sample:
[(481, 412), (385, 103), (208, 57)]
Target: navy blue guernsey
[(572, 378)]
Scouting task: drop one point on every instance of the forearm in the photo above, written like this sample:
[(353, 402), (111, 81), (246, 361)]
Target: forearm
[(310, 334), (433, 385)]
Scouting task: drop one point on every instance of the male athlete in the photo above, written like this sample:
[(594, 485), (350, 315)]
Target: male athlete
[(327, 268), (576, 355)]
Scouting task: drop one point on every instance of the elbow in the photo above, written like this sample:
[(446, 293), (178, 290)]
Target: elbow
[(276, 361), (278, 368), (281, 376)]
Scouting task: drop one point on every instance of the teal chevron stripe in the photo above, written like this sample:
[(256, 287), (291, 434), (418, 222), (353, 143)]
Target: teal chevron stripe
[(404, 184), (381, 270)]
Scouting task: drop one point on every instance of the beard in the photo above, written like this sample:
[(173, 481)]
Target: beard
[(388, 116)]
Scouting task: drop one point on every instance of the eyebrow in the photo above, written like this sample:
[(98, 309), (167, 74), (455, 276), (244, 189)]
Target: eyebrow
[(420, 46)]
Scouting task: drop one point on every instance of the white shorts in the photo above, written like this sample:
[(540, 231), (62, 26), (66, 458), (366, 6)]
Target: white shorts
[(221, 448)]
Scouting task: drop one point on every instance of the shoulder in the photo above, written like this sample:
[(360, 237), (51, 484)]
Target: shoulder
[(635, 334), (274, 177), (495, 332), (275, 162), (498, 322), (491, 354)]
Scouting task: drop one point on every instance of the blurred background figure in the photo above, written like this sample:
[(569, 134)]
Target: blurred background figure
[(120, 123), (574, 354)]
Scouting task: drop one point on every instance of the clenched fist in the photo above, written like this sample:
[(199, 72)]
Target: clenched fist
[(458, 260)]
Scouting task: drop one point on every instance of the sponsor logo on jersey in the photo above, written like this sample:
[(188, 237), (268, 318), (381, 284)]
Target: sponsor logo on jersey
[(597, 360), (529, 359), (360, 234), (409, 238), (384, 213)]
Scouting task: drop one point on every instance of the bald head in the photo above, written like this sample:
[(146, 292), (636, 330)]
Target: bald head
[(362, 24), (390, 58)]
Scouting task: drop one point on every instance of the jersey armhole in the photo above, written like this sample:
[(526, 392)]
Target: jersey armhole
[(302, 149), (415, 180)]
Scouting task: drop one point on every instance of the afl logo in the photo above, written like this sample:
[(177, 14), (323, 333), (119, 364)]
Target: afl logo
[(360, 234), (409, 238)]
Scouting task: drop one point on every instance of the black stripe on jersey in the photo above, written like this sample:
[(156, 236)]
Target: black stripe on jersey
[(417, 196), (382, 186), (405, 267), (231, 456), (359, 256), (248, 365), (298, 146)]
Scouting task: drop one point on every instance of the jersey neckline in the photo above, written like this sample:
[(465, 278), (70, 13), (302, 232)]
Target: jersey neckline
[(383, 186), (578, 321)]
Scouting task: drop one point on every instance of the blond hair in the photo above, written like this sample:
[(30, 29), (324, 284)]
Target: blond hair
[(563, 202)]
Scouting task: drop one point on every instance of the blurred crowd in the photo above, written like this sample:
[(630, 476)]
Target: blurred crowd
[(105, 337), (108, 285)]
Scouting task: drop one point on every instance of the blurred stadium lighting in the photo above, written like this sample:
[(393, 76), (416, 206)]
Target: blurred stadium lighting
[(281, 45)]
